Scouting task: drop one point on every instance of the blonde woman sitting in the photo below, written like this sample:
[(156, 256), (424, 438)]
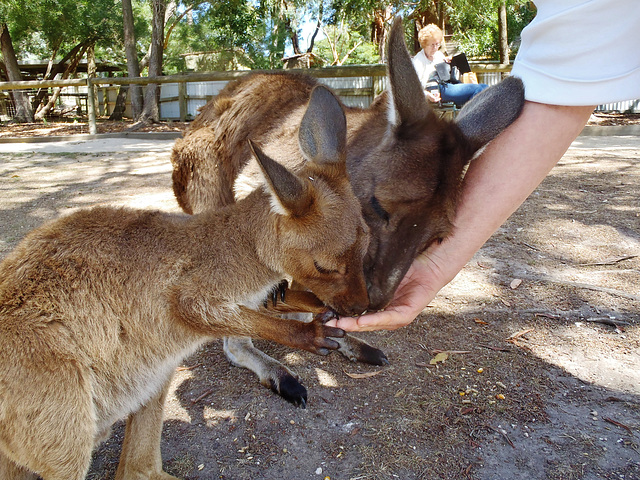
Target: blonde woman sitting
[(425, 61)]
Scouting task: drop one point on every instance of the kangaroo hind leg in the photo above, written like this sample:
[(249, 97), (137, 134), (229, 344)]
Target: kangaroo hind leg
[(272, 374), (140, 458)]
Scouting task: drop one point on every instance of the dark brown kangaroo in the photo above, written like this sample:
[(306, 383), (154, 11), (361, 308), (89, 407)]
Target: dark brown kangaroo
[(405, 163), (98, 308)]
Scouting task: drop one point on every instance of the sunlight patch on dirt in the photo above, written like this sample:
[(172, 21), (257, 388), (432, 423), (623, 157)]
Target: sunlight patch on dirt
[(607, 359)]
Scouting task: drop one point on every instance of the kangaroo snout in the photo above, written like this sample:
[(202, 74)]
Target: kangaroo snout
[(351, 300), (377, 298), (354, 307)]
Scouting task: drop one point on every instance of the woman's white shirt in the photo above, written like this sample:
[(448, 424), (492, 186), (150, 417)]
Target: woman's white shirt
[(426, 68), (581, 52)]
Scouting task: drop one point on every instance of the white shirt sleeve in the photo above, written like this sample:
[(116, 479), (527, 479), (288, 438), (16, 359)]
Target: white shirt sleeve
[(581, 52)]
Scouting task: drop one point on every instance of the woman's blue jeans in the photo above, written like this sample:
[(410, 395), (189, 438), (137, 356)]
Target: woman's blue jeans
[(460, 93)]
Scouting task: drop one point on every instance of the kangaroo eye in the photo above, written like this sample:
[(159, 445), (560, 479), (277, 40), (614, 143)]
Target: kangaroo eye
[(322, 270), (381, 212)]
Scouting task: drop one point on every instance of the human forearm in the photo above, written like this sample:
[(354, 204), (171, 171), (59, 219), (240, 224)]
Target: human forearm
[(503, 176)]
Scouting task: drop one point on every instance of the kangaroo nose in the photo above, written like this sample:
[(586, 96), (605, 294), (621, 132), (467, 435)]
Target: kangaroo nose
[(377, 298), (355, 305), (359, 309)]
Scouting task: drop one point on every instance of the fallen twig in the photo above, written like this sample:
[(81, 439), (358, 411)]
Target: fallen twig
[(607, 321), (204, 395), (182, 369), (436, 351), (504, 434), (618, 424), (497, 349), (612, 261), (519, 334), (362, 375)]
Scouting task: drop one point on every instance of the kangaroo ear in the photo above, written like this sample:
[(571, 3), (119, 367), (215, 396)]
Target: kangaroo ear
[(289, 196), (491, 111), (323, 130), (408, 102)]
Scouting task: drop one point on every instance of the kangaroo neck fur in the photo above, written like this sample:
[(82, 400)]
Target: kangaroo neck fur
[(246, 231)]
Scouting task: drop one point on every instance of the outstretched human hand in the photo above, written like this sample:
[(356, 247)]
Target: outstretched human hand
[(413, 294)]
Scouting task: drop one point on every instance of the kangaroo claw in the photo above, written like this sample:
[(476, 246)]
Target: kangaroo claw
[(279, 291), (325, 316)]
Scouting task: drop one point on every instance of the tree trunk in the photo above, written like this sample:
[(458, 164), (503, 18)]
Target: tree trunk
[(151, 109), (379, 31), (59, 68), (133, 66), (42, 92), (24, 111), (188, 12), (121, 99), (92, 72), (502, 27), (71, 68), (293, 35), (315, 33)]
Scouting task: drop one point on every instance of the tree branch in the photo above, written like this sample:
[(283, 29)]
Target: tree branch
[(350, 52), (313, 37), (177, 20)]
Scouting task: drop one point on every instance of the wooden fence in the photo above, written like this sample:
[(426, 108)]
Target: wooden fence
[(366, 90)]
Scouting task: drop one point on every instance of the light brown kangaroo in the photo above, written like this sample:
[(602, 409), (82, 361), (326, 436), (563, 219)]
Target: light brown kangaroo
[(405, 163), (99, 307)]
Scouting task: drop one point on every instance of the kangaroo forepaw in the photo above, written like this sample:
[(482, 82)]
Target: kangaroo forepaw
[(325, 345), (320, 343), (279, 292)]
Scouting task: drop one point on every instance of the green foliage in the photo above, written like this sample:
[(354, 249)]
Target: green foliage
[(230, 35), (254, 34), (344, 42), (40, 27), (360, 14), (475, 24)]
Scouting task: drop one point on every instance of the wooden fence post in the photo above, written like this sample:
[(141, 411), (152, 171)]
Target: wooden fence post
[(182, 100), (91, 107)]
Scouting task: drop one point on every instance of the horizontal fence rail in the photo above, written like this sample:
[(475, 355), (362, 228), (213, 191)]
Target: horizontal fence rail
[(182, 94), (363, 83)]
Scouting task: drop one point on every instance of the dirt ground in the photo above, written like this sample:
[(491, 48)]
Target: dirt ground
[(63, 127), (541, 334)]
